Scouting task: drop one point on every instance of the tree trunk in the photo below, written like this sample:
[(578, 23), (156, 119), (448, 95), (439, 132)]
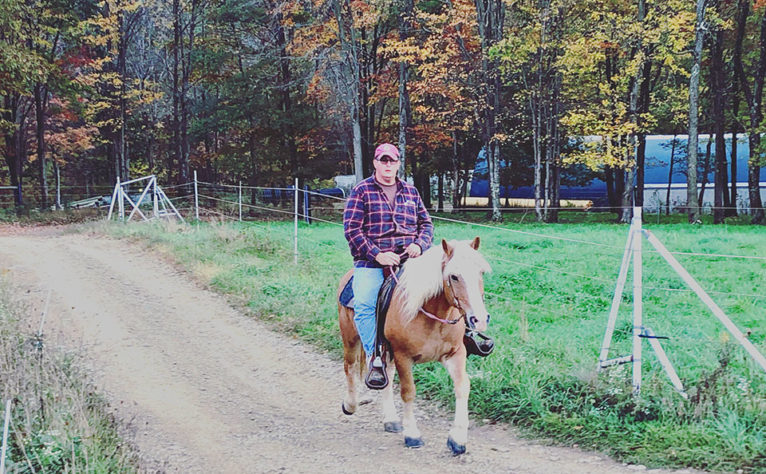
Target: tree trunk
[(13, 156), (691, 155), (644, 99), (732, 210), (175, 155), (490, 18), (405, 111), (630, 182), (670, 173), (122, 163), (705, 171), (717, 87), (754, 99), (40, 100)]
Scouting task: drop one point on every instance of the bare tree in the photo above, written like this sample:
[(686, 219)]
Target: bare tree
[(490, 17)]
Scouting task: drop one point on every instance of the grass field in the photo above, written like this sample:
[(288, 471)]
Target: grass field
[(549, 296), (59, 423)]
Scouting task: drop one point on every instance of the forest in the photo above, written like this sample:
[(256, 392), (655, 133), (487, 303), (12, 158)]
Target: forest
[(265, 91)]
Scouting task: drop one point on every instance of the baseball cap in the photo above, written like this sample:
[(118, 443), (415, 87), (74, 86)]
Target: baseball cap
[(386, 149)]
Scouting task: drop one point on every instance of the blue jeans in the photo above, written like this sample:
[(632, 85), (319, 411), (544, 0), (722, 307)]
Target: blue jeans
[(366, 284)]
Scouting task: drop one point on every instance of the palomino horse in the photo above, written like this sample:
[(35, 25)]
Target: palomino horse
[(442, 286)]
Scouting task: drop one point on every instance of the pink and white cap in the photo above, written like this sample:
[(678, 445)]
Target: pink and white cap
[(386, 149)]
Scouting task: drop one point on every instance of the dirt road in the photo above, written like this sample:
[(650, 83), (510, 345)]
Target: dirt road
[(200, 387)]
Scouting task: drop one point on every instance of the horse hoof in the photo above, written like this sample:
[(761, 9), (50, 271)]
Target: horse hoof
[(457, 449), (393, 427), (413, 442), (343, 407)]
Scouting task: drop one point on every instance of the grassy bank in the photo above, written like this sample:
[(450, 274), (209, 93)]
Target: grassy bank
[(549, 296), (58, 423)]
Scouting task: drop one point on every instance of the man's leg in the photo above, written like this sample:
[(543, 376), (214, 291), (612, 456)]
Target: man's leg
[(366, 285)]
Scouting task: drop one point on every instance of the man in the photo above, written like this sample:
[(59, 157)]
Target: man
[(383, 215)]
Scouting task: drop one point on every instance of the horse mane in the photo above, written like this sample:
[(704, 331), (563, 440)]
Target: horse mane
[(423, 279)]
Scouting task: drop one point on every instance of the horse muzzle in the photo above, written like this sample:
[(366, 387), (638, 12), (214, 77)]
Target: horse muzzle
[(476, 323)]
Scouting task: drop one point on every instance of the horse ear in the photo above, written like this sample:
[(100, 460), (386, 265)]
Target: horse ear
[(475, 243), (447, 248)]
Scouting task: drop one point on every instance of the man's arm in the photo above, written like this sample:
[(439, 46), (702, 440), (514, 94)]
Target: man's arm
[(353, 222)]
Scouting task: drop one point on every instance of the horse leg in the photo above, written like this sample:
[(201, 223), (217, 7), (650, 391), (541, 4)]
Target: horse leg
[(458, 435), (412, 436), (391, 421), (353, 361)]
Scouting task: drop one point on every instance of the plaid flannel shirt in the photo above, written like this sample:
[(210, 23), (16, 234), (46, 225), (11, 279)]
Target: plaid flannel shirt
[(371, 226)]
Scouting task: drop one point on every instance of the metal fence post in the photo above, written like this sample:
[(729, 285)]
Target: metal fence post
[(240, 201), (196, 197), (295, 251)]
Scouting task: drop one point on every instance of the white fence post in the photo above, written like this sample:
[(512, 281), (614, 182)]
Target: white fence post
[(240, 201), (196, 197), (637, 302), (5, 435), (295, 251), (121, 200)]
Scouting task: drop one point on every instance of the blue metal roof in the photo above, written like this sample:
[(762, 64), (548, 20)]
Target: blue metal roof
[(656, 171)]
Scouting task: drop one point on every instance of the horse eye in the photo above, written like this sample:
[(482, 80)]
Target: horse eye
[(454, 277)]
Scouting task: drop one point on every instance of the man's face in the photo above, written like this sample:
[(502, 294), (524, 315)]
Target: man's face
[(386, 168)]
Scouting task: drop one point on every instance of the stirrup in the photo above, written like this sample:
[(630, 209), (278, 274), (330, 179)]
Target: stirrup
[(477, 343), (381, 381)]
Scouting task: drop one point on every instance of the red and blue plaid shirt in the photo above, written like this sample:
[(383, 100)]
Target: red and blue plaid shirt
[(371, 226)]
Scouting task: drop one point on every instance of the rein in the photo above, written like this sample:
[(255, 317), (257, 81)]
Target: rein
[(431, 315)]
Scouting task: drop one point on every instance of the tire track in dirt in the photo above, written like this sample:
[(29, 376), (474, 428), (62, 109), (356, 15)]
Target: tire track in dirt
[(201, 388)]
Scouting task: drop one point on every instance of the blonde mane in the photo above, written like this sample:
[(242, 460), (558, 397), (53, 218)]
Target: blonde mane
[(422, 278)]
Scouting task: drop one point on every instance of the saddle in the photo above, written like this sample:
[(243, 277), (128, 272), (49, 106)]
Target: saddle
[(384, 301), (476, 343)]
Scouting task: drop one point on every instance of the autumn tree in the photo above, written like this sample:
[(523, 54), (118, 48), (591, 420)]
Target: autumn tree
[(752, 56)]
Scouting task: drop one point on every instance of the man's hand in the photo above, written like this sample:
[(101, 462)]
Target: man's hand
[(387, 259), (413, 250)]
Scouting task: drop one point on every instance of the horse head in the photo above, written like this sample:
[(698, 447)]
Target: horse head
[(463, 270)]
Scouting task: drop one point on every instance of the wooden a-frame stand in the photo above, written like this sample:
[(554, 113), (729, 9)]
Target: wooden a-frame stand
[(640, 331)]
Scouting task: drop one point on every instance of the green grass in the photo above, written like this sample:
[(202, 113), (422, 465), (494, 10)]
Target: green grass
[(59, 423), (549, 295)]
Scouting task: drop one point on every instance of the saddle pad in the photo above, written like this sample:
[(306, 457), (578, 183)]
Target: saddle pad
[(347, 295), (384, 296)]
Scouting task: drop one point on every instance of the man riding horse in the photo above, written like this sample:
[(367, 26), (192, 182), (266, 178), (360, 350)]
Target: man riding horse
[(383, 214)]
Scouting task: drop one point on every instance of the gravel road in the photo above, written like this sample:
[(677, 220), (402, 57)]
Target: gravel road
[(200, 387)]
